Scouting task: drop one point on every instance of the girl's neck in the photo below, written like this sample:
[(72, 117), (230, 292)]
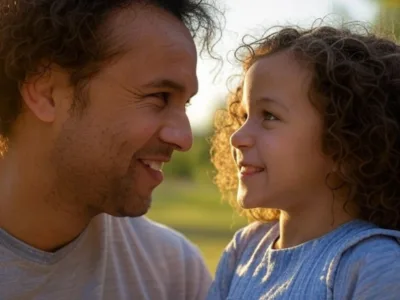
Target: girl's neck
[(298, 227)]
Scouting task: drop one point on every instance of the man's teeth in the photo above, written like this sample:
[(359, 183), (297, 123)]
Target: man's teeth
[(155, 165)]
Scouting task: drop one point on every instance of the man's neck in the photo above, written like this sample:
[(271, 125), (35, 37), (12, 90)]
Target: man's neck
[(30, 212)]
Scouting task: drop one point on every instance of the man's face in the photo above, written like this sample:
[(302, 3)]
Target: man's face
[(109, 156)]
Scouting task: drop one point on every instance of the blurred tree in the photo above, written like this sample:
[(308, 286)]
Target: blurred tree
[(387, 20), (192, 165), (196, 163), (340, 10)]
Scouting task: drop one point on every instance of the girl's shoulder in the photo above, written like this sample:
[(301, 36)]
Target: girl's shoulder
[(375, 251), (253, 235), (368, 266), (242, 246), (369, 241)]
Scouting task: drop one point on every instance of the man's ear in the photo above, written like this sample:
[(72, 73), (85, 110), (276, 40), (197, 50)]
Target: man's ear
[(37, 94)]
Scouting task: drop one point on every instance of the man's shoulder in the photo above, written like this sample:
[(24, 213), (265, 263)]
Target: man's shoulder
[(144, 225), (155, 235), (174, 256)]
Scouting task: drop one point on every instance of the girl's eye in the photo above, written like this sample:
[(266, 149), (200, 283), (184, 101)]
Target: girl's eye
[(269, 117)]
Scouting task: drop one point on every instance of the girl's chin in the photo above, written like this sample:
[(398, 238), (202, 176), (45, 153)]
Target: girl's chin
[(248, 203)]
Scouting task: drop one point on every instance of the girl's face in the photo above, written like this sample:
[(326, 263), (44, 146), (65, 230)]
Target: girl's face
[(278, 148)]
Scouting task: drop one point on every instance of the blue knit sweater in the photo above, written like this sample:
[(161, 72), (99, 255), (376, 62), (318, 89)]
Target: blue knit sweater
[(355, 261)]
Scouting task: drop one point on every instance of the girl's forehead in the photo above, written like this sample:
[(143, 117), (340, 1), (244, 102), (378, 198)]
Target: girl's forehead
[(280, 70)]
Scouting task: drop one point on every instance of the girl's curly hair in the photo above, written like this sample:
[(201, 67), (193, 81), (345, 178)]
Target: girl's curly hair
[(356, 88)]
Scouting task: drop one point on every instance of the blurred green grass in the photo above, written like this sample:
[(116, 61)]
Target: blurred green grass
[(195, 209)]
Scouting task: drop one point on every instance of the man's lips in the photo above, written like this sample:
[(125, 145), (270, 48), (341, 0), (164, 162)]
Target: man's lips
[(154, 169), (153, 164)]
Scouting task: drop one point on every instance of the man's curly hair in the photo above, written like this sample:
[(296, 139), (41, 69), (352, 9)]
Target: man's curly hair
[(71, 34), (356, 87)]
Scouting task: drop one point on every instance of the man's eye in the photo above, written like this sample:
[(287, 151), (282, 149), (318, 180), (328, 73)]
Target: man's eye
[(162, 95)]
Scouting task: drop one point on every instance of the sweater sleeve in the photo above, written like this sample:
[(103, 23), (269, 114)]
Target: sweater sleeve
[(198, 278), (370, 270), (226, 267), (231, 256)]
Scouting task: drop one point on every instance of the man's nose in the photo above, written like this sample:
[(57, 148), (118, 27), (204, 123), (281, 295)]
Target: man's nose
[(177, 132)]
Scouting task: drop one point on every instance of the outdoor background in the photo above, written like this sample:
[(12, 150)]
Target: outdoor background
[(188, 200)]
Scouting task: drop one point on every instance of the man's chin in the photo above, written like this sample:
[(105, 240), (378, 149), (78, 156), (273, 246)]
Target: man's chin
[(129, 214), (132, 211)]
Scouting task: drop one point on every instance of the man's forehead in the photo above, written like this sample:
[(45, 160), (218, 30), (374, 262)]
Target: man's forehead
[(146, 25), (157, 53)]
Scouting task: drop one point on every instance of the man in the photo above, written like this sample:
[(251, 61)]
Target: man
[(92, 103)]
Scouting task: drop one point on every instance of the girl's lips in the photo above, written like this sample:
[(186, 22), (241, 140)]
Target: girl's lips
[(248, 170)]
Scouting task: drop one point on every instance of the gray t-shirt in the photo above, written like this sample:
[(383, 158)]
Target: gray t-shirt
[(114, 258)]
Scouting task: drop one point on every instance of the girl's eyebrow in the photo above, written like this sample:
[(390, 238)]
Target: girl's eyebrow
[(270, 100)]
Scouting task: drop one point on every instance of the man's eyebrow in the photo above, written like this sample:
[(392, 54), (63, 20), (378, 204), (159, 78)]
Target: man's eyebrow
[(273, 101), (168, 84)]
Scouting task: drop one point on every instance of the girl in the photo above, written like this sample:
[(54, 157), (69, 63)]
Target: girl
[(316, 153)]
